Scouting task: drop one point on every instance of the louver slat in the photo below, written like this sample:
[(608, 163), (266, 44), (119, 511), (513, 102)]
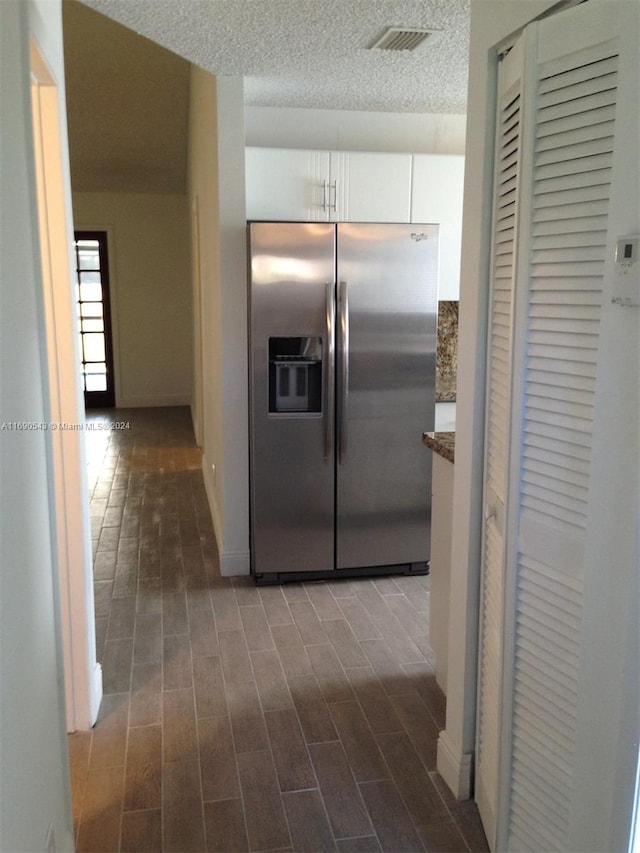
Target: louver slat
[(585, 103), (578, 225), (566, 440), (560, 197), (544, 733), (492, 607), (566, 179), (592, 71), (571, 182), (570, 91), (577, 166), (572, 212), (589, 126), (564, 148), (541, 458)]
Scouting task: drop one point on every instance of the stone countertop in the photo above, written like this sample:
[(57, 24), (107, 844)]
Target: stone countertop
[(442, 443)]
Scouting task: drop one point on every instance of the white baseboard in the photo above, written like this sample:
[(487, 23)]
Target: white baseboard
[(232, 563), (235, 563), (196, 425), (209, 487), (135, 401), (87, 705), (454, 767), (96, 694), (64, 840)]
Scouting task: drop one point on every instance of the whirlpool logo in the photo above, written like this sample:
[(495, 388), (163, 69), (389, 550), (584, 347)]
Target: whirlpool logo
[(418, 237)]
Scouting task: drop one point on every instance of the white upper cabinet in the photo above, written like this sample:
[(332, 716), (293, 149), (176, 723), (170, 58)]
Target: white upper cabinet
[(371, 187), (287, 184), (323, 186), (436, 196)]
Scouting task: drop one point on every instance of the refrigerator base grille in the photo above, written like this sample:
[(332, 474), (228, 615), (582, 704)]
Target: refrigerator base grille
[(270, 578)]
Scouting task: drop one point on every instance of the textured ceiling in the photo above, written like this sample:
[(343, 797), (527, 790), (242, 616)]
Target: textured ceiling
[(128, 97), (313, 53)]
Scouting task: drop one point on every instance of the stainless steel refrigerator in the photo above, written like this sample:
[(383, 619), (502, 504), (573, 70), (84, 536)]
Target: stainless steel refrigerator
[(342, 384)]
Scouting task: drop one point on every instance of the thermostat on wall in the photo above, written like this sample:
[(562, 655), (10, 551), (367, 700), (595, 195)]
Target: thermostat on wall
[(627, 251), (627, 271)]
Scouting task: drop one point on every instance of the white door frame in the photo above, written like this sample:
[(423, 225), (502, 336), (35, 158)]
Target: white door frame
[(83, 675), (197, 400)]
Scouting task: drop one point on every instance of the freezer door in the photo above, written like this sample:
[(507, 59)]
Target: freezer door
[(292, 286), (387, 313)]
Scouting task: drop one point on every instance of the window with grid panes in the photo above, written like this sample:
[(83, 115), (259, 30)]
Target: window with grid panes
[(92, 295)]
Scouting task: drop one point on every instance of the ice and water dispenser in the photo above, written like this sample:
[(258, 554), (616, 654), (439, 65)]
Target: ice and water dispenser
[(295, 375)]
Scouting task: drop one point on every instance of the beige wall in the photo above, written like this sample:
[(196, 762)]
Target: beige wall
[(150, 279), (34, 781)]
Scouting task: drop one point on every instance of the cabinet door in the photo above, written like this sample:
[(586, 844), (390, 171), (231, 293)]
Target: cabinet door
[(436, 197), (287, 184), (370, 187)]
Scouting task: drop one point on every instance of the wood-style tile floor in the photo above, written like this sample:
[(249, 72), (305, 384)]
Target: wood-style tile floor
[(300, 718)]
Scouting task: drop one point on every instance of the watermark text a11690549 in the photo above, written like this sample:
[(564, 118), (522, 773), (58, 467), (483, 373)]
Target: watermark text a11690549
[(54, 426)]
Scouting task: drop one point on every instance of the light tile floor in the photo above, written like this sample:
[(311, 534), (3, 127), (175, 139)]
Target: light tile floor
[(300, 718)]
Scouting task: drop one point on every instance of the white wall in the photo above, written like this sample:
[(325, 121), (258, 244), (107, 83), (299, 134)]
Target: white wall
[(34, 786), (442, 490), (344, 130), (216, 189), (150, 285), (233, 265), (491, 21)]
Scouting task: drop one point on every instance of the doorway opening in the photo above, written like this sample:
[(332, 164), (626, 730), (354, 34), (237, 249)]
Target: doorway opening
[(94, 318)]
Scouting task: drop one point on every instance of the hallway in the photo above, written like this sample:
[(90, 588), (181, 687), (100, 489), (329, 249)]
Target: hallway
[(302, 718)]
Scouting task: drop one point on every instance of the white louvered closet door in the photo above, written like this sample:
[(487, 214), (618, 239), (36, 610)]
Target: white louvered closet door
[(563, 273), (542, 408), (498, 394)]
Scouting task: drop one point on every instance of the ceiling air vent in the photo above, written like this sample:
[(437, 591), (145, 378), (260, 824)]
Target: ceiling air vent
[(400, 38)]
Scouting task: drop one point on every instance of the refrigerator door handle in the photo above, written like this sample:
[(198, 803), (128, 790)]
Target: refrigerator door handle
[(330, 375), (343, 355)]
